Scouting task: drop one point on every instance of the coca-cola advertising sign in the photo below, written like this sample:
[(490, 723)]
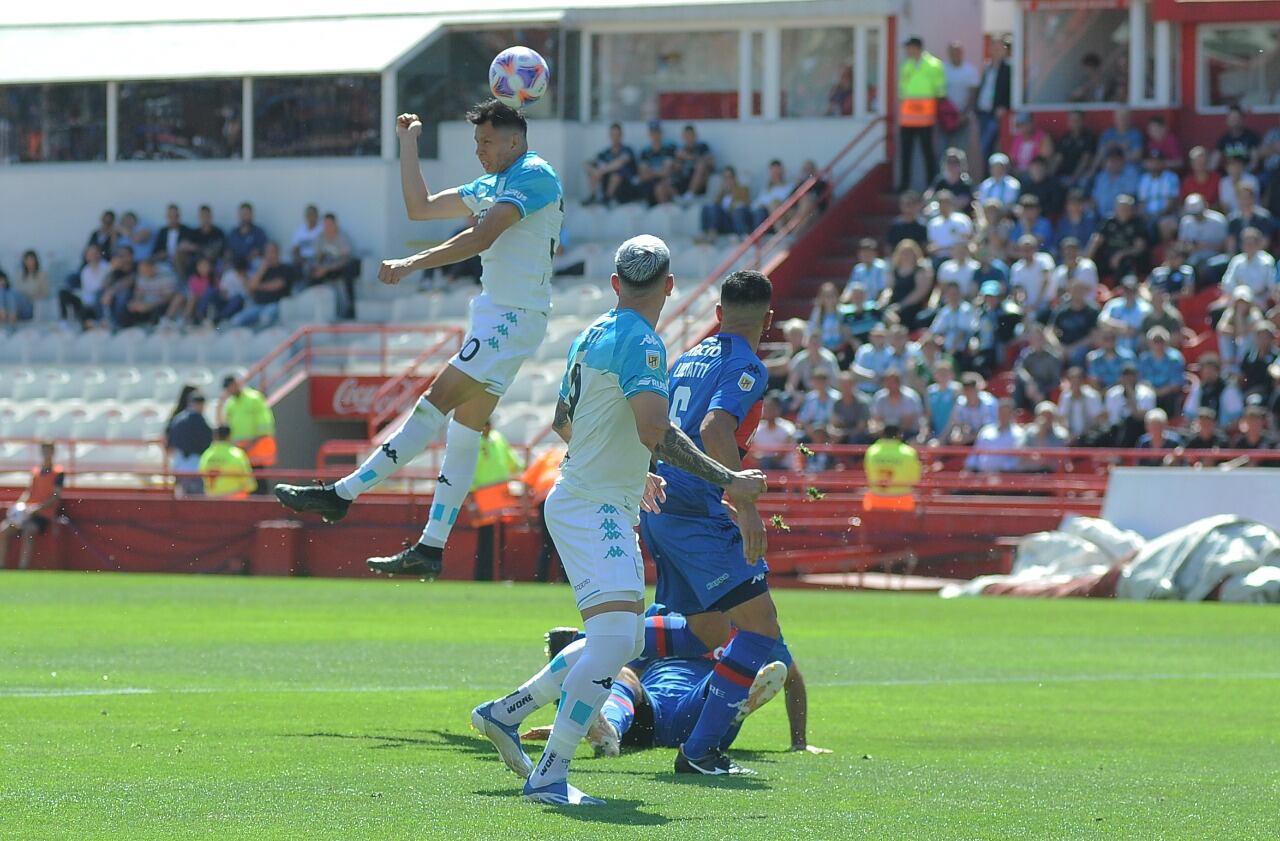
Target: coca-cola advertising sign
[(349, 398)]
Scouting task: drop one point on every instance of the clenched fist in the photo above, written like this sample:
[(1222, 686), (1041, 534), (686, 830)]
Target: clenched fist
[(408, 125)]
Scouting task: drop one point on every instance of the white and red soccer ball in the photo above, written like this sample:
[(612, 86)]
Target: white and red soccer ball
[(518, 77)]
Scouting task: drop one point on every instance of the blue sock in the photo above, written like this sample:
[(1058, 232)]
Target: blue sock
[(669, 636), (730, 682), (620, 707)]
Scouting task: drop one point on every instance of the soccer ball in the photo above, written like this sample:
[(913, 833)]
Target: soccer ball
[(518, 77)]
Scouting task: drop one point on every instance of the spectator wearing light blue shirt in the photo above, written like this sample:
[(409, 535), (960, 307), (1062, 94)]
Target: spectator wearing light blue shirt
[(818, 403), (1004, 434), (1163, 368), (871, 271), (1000, 186), (1125, 313), (1157, 190), (1116, 178), (1106, 362)]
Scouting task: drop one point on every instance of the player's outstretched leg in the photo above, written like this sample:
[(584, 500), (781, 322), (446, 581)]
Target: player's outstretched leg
[(332, 501), (612, 639), (499, 720)]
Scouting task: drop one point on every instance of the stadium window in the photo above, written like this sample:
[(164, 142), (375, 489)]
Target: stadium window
[(183, 120), (53, 123), (1076, 55), (665, 75), (757, 74), (1240, 65), (817, 72), (442, 81), (317, 116), (872, 65)]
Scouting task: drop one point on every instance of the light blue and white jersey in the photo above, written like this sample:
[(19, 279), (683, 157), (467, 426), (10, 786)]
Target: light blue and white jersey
[(615, 358), (517, 267)]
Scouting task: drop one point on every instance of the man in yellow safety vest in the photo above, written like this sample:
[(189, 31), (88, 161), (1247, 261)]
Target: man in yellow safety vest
[(253, 424), (893, 470), (922, 81)]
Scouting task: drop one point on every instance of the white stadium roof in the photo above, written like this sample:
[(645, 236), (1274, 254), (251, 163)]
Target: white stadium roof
[(158, 39)]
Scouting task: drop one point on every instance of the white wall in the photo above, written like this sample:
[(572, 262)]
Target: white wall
[(52, 207), (940, 22), (1155, 500)]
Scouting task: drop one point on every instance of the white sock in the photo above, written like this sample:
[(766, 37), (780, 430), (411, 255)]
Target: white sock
[(610, 641), (461, 450), (539, 690), (419, 429)]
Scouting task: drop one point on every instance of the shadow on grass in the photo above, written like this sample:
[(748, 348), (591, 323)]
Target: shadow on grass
[(442, 740), (622, 812)]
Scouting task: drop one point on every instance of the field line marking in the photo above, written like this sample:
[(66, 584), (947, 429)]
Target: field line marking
[(38, 692)]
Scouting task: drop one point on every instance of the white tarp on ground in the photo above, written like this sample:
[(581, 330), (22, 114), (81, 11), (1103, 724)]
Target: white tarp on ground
[(1082, 546), (1189, 563)]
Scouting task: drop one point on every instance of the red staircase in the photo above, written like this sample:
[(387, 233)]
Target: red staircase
[(828, 250)]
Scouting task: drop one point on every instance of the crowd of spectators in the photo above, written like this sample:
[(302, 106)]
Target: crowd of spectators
[(1049, 303), (177, 276)]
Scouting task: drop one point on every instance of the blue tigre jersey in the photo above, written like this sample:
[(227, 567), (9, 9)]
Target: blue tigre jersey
[(615, 358), (668, 684), (723, 372), (516, 269)]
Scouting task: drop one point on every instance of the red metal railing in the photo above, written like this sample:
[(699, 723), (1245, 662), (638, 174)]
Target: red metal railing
[(395, 395), (692, 319), (303, 353)]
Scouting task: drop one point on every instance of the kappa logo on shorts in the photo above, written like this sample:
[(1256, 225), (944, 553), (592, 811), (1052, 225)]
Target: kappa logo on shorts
[(746, 381), (510, 316), (615, 551), (504, 330), (653, 359), (493, 343), (606, 509)]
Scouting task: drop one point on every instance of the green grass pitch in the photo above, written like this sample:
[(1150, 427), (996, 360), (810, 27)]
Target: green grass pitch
[(140, 707)]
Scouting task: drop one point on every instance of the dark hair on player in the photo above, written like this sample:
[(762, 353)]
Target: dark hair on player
[(746, 289), (494, 113)]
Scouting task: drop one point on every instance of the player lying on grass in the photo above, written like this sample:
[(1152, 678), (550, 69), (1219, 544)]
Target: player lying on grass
[(613, 413), (657, 698), (709, 552), (520, 206)]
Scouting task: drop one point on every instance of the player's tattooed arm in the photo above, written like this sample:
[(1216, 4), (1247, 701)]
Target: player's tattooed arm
[(677, 450), (561, 424)]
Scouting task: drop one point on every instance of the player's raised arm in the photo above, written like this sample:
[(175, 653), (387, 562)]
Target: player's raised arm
[(674, 447), (419, 203)]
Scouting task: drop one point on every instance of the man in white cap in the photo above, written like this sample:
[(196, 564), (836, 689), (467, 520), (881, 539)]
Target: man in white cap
[(1202, 229), (1000, 185)]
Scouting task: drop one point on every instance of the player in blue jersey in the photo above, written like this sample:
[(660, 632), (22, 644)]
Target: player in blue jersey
[(612, 412), (520, 205), (710, 558), (657, 698)]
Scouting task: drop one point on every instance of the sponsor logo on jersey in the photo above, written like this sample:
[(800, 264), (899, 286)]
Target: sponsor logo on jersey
[(649, 381), (653, 359), (746, 382)]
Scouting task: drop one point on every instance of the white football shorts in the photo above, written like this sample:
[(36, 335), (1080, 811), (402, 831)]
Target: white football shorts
[(598, 545), (499, 340)]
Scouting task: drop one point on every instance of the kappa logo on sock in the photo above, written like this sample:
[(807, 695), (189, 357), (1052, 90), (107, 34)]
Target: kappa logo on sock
[(607, 683), (444, 480), (390, 453)]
